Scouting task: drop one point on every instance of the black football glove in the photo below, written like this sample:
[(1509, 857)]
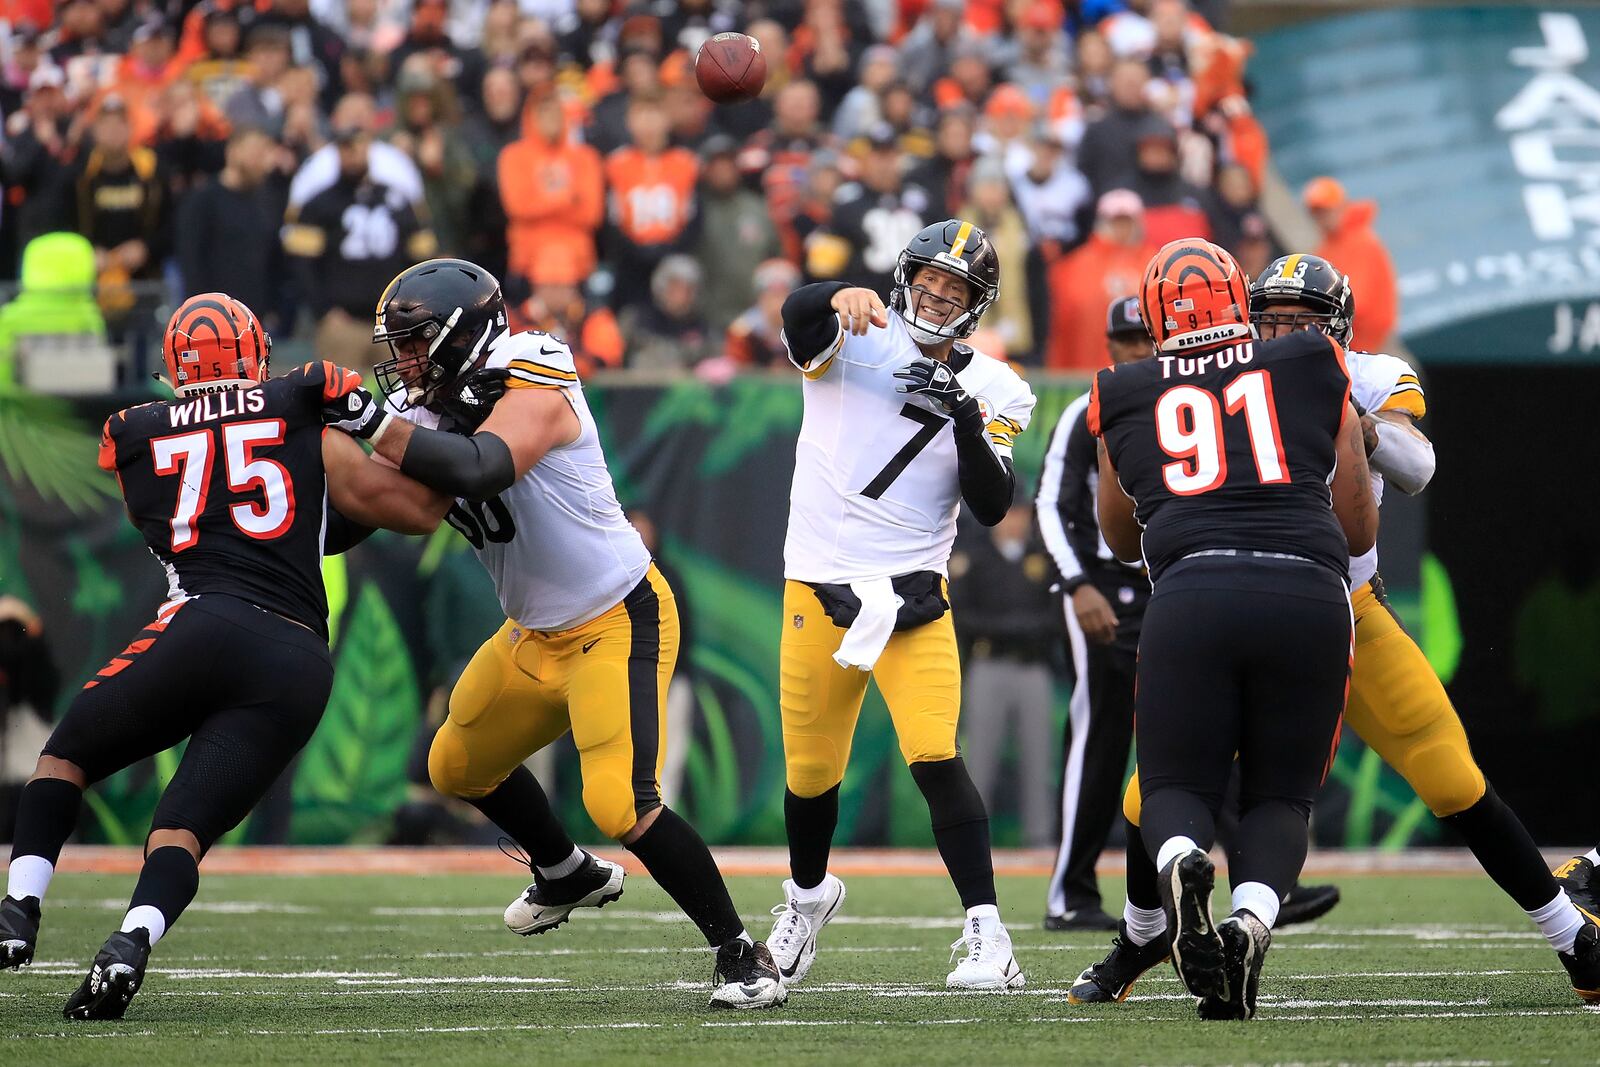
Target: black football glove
[(474, 398), (357, 413), (937, 382)]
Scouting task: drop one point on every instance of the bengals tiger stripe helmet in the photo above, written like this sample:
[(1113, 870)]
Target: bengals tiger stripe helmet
[(1194, 295), (214, 342)]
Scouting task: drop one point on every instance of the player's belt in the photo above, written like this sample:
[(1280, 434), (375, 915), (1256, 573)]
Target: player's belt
[(1248, 554)]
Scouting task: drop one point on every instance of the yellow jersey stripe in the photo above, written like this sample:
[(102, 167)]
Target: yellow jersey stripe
[(1010, 424), (959, 245), (1408, 400), (523, 383), (539, 368), (1290, 264), (813, 373)]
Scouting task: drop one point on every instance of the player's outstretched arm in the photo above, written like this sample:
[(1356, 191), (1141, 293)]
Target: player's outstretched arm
[(374, 494), (1353, 505), (1398, 450), (811, 323), (1114, 508)]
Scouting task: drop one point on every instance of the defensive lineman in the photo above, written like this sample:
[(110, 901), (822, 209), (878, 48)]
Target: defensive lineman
[(902, 423)]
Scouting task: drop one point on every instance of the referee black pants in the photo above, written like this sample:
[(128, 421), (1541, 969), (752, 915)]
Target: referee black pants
[(1098, 733)]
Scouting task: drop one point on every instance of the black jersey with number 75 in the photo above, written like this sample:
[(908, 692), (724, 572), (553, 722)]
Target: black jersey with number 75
[(228, 489), (1230, 447)]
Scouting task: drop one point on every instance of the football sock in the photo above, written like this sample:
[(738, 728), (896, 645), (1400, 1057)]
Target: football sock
[(1144, 924), (679, 861), (984, 913), (1593, 856), (567, 866), (167, 884), (47, 810), (811, 894), (1172, 848), (1142, 891), (1170, 813), (809, 822), (1559, 921), (519, 807), (29, 877), (1259, 899), (1508, 855), (960, 828)]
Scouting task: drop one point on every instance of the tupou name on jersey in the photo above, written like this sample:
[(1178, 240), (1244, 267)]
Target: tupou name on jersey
[(1188, 366), (218, 405)]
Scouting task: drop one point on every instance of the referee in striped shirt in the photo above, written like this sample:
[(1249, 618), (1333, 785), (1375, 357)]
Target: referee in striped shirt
[(1103, 601)]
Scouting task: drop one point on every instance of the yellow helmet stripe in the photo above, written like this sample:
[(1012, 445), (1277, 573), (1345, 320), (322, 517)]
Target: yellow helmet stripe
[(959, 245), (1290, 264)]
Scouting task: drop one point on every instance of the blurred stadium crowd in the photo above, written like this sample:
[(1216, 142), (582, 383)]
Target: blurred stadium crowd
[(298, 153)]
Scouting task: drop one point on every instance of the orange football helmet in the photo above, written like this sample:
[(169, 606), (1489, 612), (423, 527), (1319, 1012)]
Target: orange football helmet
[(1194, 295), (214, 342)]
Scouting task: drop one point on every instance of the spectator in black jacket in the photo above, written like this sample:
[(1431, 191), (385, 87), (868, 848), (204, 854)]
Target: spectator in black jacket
[(1109, 151), (227, 235), (122, 207), (35, 155)]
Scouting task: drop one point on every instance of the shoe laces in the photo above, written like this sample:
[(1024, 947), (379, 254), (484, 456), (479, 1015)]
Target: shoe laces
[(514, 852), (792, 925)]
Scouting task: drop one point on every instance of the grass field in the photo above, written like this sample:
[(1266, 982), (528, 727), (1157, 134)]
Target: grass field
[(418, 969)]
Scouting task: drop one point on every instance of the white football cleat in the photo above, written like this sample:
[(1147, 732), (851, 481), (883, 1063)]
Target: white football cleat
[(546, 905), (989, 964), (793, 940)]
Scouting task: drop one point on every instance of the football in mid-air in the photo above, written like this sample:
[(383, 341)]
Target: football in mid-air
[(730, 67)]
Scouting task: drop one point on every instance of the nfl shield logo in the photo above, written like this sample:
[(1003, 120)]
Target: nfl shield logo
[(799, 622)]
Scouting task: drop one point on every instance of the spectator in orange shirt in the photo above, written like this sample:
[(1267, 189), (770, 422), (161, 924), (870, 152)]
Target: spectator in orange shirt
[(553, 194), (1349, 243), (1108, 265), (559, 308), (143, 74), (651, 188)]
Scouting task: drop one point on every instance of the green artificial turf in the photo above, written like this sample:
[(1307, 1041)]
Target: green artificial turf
[(419, 970)]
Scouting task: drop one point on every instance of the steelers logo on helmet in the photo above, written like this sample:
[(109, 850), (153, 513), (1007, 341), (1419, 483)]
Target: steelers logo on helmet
[(957, 248), (1302, 291), (438, 318), (1194, 294)]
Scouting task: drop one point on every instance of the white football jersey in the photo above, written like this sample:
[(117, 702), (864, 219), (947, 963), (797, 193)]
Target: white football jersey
[(1380, 382), (876, 491), (556, 543)]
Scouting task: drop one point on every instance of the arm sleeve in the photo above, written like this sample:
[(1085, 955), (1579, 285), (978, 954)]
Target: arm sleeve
[(472, 468), (811, 327), (987, 480), (343, 533)]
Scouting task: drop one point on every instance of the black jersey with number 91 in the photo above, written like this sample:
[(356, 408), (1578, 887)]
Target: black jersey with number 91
[(1230, 447), (228, 489)]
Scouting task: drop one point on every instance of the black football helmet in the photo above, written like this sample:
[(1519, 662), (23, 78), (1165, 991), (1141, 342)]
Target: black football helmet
[(453, 305), (1312, 282), (961, 249)]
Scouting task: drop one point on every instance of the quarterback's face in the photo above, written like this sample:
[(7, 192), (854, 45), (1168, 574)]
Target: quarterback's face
[(939, 295)]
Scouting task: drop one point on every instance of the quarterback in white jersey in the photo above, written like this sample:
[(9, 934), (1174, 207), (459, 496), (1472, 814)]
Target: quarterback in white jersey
[(903, 423), (499, 422)]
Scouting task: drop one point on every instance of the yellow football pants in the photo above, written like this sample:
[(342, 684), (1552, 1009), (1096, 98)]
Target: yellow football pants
[(1400, 709), (919, 675), (606, 681)]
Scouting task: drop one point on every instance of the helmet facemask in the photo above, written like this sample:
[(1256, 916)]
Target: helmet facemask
[(416, 378), (908, 299), (1313, 312)]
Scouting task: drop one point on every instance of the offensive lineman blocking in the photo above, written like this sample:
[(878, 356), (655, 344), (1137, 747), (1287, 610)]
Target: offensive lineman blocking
[(902, 423)]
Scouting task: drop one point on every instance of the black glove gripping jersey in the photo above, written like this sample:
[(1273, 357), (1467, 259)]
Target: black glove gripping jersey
[(1230, 448), (228, 489)]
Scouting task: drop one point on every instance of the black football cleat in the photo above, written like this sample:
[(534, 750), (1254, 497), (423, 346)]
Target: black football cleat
[(1583, 964), (117, 973), (1576, 878), (1091, 918), (1111, 980), (1186, 884), (19, 931), (549, 902), (1245, 940), (1304, 903), (746, 977)]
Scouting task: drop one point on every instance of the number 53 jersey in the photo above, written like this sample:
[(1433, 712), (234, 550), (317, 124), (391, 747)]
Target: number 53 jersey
[(1229, 448), (556, 543), (876, 490)]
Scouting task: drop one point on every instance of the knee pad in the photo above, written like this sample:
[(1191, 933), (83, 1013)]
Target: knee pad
[(811, 767), (1133, 801), (447, 766), (610, 805), (1446, 777), (951, 796)]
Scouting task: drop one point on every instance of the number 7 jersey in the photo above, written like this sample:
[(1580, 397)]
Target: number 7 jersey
[(228, 489), (876, 490)]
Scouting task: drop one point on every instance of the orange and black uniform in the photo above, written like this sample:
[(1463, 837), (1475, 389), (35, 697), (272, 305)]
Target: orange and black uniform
[(1227, 452), (651, 214), (228, 490)]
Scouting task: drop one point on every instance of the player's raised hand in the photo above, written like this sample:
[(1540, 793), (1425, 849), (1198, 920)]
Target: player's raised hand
[(860, 308)]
